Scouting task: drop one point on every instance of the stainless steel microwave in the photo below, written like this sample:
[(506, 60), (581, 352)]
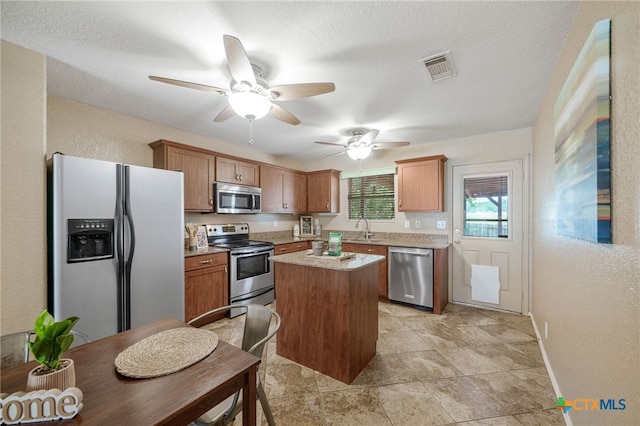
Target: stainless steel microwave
[(236, 199)]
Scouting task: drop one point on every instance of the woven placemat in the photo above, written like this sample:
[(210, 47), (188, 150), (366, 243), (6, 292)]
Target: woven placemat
[(166, 352)]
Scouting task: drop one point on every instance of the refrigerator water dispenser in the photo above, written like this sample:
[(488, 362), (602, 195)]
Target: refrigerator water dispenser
[(89, 239)]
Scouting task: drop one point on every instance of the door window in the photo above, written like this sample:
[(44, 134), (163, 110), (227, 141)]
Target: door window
[(486, 206)]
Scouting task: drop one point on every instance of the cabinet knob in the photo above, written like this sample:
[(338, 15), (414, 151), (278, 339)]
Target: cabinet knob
[(369, 250), (206, 261), (283, 249), (400, 202), (327, 206), (210, 201), (240, 177)]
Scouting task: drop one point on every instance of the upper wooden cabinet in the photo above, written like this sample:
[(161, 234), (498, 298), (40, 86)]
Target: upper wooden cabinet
[(283, 190), (323, 191), (421, 184), (198, 167), (231, 170)]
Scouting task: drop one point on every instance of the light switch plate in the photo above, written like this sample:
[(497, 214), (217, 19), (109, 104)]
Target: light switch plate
[(417, 224), (407, 224), (275, 223), (441, 224)]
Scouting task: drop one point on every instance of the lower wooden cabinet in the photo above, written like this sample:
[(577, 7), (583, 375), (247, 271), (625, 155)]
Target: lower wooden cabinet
[(383, 288), (292, 247), (206, 284), (440, 280)]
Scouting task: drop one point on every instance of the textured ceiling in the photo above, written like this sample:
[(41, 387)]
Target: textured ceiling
[(101, 53)]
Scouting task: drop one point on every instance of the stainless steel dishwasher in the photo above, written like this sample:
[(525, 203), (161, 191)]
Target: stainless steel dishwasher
[(411, 276)]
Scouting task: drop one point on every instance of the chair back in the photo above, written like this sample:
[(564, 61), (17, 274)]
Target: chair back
[(256, 328), (15, 348)]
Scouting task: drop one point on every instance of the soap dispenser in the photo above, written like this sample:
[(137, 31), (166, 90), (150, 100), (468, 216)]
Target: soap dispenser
[(317, 228)]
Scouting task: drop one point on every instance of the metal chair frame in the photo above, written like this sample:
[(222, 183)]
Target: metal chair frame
[(256, 334)]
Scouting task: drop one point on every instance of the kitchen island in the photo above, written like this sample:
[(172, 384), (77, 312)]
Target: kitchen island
[(329, 311)]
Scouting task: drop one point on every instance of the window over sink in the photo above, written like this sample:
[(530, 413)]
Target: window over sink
[(372, 197)]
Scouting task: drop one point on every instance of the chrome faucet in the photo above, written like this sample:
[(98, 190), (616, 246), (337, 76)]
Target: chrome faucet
[(367, 234)]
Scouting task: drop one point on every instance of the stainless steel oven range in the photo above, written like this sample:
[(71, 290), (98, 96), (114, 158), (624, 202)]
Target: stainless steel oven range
[(250, 270)]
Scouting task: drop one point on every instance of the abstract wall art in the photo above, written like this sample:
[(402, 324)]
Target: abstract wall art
[(582, 143)]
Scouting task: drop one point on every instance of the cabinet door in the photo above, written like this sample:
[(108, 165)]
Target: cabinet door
[(197, 167), (204, 290), (235, 171), (271, 182), (383, 288), (323, 192), (295, 192), (421, 185)]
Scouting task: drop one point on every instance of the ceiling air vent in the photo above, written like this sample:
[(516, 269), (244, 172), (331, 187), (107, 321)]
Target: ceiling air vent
[(439, 66)]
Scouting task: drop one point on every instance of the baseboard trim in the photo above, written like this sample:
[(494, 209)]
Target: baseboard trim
[(554, 382)]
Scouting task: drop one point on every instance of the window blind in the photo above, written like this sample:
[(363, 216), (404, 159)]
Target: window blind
[(372, 197)]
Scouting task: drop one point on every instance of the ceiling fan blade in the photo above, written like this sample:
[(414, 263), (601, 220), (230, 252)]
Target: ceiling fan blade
[(332, 143), (283, 115), (225, 114), (304, 90), (387, 145), (189, 85), (369, 136), (239, 64), (335, 155)]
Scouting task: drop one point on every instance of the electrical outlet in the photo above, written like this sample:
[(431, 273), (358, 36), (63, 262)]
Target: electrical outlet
[(417, 224), (546, 330), (407, 224), (275, 223), (441, 224)]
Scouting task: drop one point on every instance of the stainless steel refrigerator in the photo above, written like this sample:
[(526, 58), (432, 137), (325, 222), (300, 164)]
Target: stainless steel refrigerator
[(116, 244)]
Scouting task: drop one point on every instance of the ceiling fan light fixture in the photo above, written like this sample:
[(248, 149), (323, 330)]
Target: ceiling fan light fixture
[(359, 152), (249, 104)]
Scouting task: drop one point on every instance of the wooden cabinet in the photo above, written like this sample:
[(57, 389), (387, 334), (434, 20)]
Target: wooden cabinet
[(283, 190), (292, 247), (421, 184), (383, 288), (323, 191), (231, 170), (198, 167), (440, 279), (206, 284)]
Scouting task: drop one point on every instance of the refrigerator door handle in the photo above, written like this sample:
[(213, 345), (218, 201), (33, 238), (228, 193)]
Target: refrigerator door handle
[(132, 246), (119, 229)]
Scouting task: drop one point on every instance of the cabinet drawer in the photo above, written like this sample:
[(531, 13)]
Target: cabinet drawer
[(292, 247), (365, 248), (205, 261)]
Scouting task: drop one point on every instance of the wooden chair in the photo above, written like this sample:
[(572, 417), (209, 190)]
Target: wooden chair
[(257, 332)]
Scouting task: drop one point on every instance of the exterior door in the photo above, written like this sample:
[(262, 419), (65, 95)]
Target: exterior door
[(488, 231)]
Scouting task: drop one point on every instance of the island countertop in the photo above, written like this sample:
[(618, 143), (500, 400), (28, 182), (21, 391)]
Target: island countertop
[(327, 262)]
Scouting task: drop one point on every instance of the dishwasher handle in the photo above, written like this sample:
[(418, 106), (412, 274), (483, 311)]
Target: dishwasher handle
[(423, 252)]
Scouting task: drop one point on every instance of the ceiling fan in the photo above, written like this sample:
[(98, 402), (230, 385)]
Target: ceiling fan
[(360, 144), (250, 96)]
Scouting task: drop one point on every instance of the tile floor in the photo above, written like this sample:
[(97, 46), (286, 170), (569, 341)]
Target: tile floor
[(467, 366)]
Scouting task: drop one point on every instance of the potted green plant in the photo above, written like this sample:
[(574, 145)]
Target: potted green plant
[(51, 341)]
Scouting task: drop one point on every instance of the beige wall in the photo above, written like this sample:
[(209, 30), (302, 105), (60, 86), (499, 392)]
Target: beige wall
[(588, 293), (23, 183)]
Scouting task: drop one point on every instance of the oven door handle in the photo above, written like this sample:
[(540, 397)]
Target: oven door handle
[(253, 253)]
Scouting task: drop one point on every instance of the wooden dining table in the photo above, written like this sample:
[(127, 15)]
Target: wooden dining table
[(173, 399)]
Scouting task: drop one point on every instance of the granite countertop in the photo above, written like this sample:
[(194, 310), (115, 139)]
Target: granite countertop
[(207, 250), (384, 239), (327, 262)]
